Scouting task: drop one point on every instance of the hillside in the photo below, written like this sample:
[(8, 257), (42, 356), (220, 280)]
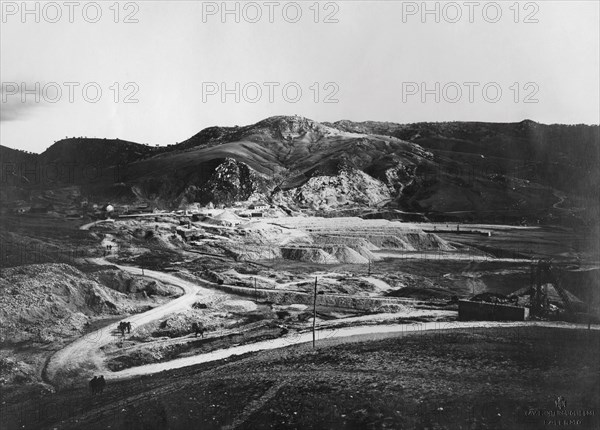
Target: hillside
[(565, 157), (469, 171), (477, 378), (47, 302), (96, 152)]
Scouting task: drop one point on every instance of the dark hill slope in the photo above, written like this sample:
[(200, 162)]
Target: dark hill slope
[(479, 171), (96, 152), (565, 157), (279, 151)]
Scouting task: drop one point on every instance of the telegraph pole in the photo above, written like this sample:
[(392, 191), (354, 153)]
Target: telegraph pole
[(314, 312)]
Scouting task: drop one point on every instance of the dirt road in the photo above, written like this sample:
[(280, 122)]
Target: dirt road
[(357, 332), (83, 354), (447, 256), (92, 224)]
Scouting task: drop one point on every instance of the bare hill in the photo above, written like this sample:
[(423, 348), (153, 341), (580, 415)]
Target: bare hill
[(472, 171)]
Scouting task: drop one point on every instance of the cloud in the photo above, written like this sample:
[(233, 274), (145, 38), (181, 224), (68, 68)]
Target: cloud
[(18, 100), (13, 111)]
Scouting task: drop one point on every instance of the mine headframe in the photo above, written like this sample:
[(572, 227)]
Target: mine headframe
[(544, 272)]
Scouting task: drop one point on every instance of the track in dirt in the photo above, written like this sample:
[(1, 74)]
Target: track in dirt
[(346, 334), (83, 354)]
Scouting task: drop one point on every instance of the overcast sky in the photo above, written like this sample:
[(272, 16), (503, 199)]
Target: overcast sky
[(369, 65)]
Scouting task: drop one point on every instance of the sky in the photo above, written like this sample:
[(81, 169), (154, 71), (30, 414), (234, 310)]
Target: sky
[(165, 70)]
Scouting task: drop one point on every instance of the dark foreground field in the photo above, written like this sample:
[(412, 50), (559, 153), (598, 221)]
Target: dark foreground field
[(508, 378)]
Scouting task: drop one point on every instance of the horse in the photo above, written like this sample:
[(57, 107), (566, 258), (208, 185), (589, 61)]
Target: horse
[(198, 328), (124, 326)]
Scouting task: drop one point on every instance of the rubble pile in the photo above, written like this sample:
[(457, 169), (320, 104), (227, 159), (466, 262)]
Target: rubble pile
[(47, 302)]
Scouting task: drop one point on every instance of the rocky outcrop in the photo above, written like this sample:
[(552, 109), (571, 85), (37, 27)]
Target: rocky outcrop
[(127, 284), (47, 302), (309, 255), (445, 170), (399, 177), (231, 181), (349, 187)]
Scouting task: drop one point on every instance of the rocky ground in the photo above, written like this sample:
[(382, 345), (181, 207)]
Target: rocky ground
[(44, 306), (258, 282), (488, 379)]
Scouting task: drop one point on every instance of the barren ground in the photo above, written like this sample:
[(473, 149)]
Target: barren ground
[(426, 380), (251, 287)]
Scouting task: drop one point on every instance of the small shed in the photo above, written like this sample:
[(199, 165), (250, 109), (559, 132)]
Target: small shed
[(482, 311), (259, 206)]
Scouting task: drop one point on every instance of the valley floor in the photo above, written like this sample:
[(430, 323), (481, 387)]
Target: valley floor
[(389, 351), (504, 377)]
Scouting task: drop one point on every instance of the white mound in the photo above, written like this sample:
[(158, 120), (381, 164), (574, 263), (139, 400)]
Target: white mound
[(238, 306), (348, 255), (312, 255), (297, 307)]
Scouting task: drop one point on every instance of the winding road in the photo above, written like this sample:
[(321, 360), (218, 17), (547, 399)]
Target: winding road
[(84, 353), (348, 333)]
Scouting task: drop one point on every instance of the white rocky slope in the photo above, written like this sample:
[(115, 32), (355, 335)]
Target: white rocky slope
[(51, 302), (350, 186)]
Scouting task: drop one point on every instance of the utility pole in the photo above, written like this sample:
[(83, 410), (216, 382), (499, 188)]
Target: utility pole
[(314, 312)]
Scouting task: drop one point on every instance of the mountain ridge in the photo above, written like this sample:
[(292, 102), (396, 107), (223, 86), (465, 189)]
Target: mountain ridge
[(214, 132), (515, 169)]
